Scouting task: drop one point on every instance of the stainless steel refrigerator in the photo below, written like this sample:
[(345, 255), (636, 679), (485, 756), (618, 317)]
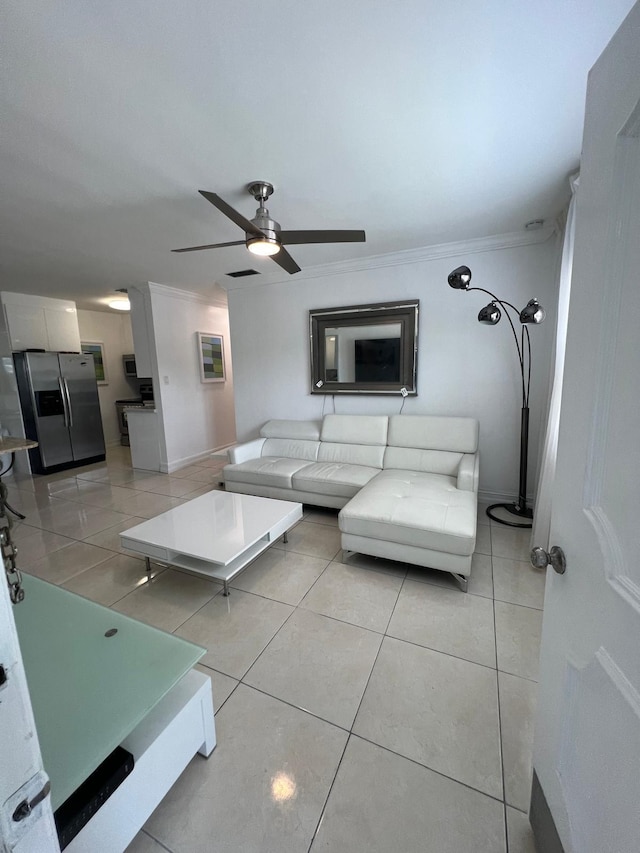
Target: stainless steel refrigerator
[(60, 409)]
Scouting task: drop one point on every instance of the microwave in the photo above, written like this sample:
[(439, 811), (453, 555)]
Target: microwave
[(129, 364)]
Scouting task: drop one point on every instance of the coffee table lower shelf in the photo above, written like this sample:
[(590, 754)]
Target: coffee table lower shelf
[(203, 567), (218, 557)]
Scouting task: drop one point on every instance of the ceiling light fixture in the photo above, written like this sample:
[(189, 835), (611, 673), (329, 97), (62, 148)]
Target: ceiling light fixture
[(120, 305), (263, 246)]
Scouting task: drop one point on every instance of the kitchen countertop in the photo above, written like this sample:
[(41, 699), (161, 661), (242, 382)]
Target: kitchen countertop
[(130, 409), (10, 445)]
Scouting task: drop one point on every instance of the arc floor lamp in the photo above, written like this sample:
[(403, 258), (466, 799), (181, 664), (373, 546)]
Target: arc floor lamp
[(532, 313)]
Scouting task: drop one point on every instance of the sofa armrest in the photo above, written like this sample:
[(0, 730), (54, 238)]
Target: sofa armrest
[(468, 472), (244, 452)]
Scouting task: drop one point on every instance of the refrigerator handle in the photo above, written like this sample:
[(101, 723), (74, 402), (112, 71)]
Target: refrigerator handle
[(65, 410), (68, 403)]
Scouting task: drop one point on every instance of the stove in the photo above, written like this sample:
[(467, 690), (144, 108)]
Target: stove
[(145, 400)]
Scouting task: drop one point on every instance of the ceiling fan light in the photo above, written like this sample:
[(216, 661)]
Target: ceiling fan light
[(263, 246)]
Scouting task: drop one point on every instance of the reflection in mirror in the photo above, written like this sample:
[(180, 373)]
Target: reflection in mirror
[(364, 349), (362, 353)]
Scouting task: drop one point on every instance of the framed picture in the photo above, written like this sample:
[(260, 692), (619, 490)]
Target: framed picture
[(211, 357), (96, 349)]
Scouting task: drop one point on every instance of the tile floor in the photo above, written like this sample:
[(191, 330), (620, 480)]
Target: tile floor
[(366, 706)]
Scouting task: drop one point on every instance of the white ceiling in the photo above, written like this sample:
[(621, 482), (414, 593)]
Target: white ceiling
[(421, 121)]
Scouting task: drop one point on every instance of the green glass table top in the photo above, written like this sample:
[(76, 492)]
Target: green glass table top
[(88, 690)]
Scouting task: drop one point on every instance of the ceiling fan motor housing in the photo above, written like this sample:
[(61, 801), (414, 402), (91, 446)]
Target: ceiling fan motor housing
[(261, 190), (265, 223)]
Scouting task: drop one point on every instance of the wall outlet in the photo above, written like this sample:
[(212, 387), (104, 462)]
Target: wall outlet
[(165, 379)]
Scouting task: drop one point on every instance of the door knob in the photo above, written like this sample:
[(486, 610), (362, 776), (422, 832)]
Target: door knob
[(555, 558)]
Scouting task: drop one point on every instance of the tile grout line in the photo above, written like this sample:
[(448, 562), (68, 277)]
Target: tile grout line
[(504, 784), (289, 704), (314, 583), (324, 807), (218, 672), (350, 735), (267, 644), (159, 843), (430, 769)]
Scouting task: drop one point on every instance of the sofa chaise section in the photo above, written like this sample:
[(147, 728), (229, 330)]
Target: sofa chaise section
[(422, 507)]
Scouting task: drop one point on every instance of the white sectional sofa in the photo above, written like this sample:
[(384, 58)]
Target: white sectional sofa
[(406, 485)]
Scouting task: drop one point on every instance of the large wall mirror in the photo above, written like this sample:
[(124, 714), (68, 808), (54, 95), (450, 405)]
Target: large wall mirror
[(364, 349)]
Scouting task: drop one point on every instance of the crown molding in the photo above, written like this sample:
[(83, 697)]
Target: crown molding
[(187, 295), (473, 246)]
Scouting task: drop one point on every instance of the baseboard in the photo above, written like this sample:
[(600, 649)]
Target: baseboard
[(541, 820), (176, 464)]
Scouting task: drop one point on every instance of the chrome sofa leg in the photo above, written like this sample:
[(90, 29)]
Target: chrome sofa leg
[(461, 580)]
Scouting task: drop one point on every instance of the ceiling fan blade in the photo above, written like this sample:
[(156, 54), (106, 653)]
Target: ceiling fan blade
[(291, 238), (284, 259), (210, 246), (233, 214)]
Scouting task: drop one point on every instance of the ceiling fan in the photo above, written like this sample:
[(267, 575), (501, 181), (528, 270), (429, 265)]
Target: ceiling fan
[(263, 235)]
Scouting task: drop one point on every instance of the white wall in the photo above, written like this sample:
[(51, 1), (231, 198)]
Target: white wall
[(464, 368), (114, 331), (10, 411), (197, 417)]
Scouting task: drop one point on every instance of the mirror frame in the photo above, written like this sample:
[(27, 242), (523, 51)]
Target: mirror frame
[(406, 313)]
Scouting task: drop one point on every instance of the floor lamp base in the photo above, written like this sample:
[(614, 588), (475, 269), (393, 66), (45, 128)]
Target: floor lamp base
[(513, 509)]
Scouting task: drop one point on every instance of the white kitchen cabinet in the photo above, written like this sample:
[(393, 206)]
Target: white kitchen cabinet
[(27, 327), (62, 329), (38, 322), (141, 328), (144, 438)]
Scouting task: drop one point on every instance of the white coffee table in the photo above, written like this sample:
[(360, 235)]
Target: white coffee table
[(216, 535)]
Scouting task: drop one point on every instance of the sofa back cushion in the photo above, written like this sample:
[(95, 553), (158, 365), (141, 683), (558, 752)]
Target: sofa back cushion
[(291, 439), (306, 430), (430, 432), (354, 439), (429, 443), (425, 461)]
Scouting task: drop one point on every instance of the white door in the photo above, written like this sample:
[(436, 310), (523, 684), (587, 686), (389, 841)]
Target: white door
[(587, 747), (21, 774)]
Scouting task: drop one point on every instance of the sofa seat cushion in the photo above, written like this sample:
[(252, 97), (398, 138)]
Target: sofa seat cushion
[(333, 478), (265, 471), (414, 508)]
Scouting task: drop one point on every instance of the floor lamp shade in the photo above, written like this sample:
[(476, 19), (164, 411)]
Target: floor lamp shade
[(460, 278), (532, 313), (490, 315)]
